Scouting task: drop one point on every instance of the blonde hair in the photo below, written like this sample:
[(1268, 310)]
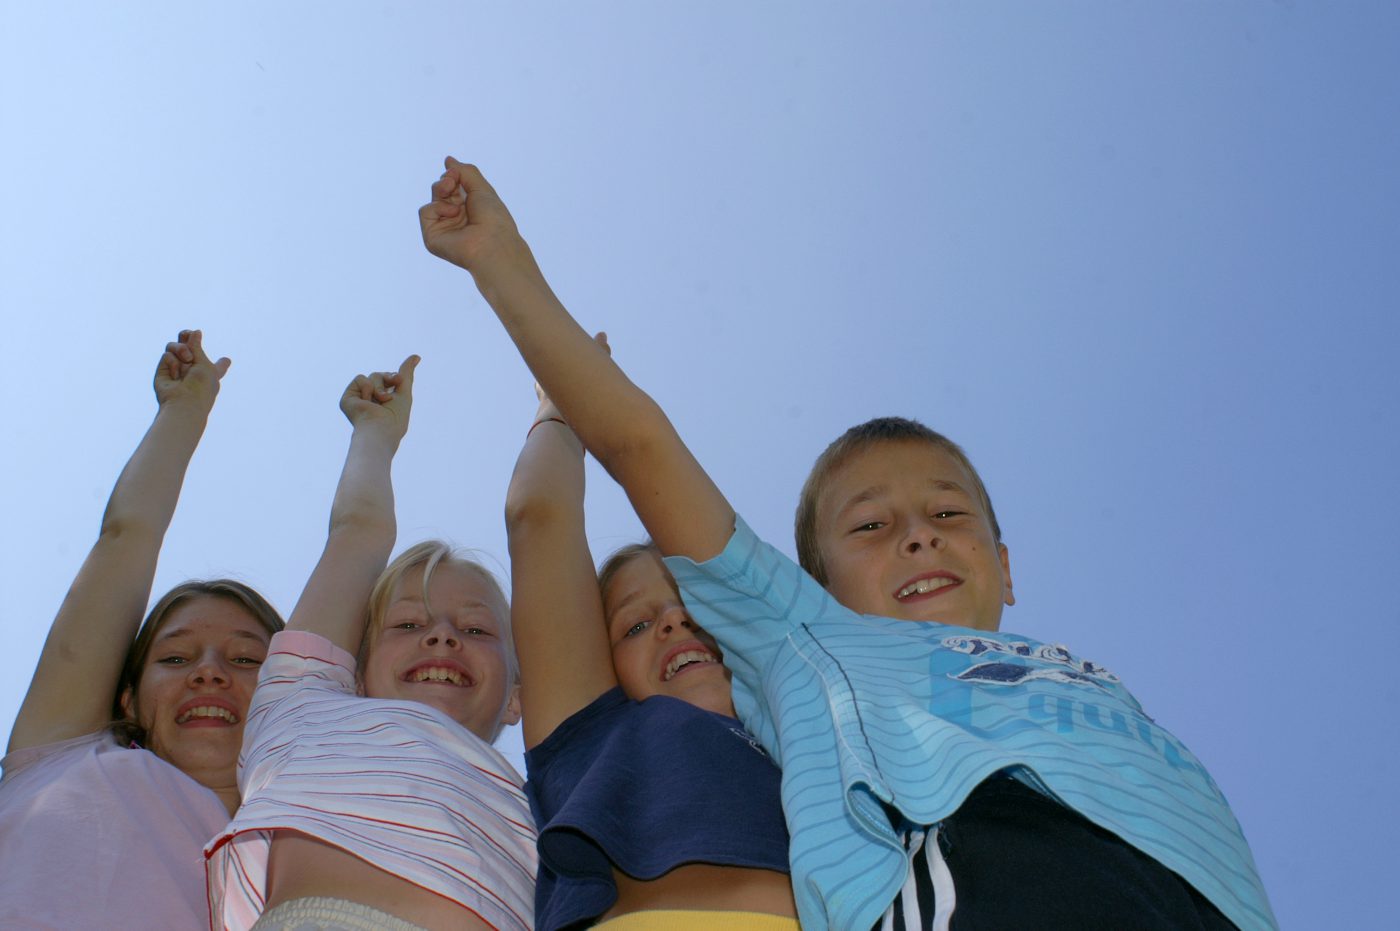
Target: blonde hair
[(858, 439), (429, 555)]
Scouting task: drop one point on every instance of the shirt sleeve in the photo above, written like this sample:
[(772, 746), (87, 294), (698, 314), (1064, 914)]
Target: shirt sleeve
[(298, 664), (750, 598)]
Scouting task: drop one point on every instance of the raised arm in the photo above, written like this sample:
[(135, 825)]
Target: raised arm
[(556, 611), (467, 224), (71, 693), (362, 530)]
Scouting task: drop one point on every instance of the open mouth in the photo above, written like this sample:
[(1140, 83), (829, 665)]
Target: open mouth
[(934, 584), (210, 715), (439, 674), (688, 656)]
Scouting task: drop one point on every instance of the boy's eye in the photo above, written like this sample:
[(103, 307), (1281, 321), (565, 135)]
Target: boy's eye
[(407, 625), (476, 631), (246, 661), (637, 628), (171, 660), (868, 526), (943, 514)]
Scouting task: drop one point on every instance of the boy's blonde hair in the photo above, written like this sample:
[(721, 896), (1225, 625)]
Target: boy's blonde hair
[(858, 439), (430, 554)]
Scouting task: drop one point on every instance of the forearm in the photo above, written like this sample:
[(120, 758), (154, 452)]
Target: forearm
[(148, 488), (547, 485), (364, 496), (358, 544)]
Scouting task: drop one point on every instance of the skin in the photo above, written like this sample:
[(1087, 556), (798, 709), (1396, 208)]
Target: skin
[(907, 510), (647, 624), (207, 655), (460, 627)]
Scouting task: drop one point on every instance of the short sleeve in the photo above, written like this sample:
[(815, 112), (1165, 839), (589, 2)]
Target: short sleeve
[(748, 597), (298, 662)]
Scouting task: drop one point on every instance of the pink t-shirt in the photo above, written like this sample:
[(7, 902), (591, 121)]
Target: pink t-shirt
[(94, 835)]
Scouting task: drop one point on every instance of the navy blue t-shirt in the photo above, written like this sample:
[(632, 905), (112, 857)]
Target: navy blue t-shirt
[(646, 787)]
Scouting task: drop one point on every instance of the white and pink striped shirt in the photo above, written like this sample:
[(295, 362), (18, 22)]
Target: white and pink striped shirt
[(396, 783)]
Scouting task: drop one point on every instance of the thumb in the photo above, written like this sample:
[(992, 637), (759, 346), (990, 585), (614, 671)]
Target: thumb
[(405, 373), (221, 367)]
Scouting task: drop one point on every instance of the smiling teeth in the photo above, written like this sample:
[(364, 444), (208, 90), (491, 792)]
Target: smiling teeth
[(683, 659), (437, 674), (208, 711), (924, 586)]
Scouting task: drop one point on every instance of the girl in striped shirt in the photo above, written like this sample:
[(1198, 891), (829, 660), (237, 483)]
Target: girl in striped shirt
[(376, 800)]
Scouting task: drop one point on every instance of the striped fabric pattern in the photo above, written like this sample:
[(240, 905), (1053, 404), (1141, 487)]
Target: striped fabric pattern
[(865, 712), (396, 783)]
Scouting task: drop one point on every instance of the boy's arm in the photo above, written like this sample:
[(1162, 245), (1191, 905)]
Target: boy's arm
[(362, 530), (561, 636), (467, 224), (71, 693)]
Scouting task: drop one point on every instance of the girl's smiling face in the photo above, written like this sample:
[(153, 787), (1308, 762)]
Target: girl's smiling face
[(197, 680), (657, 649), (449, 651)]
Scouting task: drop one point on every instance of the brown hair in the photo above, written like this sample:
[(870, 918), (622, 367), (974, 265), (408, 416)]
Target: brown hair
[(124, 725), (430, 554), (621, 557), (857, 440)]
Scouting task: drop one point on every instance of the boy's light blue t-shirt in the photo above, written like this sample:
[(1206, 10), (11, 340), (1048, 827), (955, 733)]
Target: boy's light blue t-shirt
[(865, 712)]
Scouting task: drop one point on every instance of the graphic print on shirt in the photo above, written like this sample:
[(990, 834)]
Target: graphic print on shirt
[(1065, 666), (995, 689)]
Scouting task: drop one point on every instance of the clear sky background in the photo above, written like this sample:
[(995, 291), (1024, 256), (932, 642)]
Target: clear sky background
[(1141, 258)]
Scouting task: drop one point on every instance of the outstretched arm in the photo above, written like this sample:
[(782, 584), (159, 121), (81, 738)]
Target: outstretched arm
[(561, 636), (467, 224), (362, 530), (71, 693)]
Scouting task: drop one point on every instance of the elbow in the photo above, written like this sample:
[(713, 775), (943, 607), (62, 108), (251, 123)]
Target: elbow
[(526, 513), (638, 442)]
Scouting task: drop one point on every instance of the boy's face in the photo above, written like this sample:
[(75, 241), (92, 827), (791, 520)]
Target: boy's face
[(903, 534), (453, 657)]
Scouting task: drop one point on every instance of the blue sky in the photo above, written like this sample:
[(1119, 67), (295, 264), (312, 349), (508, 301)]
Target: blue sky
[(1138, 258)]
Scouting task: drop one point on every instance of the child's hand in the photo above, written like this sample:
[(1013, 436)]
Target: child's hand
[(466, 223), (185, 374), (381, 399)]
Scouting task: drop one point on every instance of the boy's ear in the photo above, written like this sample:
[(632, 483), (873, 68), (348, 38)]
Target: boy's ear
[(1005, 555), (128, 703), (511, 714)]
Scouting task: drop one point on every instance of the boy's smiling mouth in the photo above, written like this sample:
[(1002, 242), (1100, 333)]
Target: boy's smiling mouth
[(440, 672), (934, 583), (689, 655)]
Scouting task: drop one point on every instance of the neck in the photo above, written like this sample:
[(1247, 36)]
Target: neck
[(221, 780)]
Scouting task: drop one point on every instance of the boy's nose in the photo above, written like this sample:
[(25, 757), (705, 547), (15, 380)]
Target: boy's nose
[(920, 534)]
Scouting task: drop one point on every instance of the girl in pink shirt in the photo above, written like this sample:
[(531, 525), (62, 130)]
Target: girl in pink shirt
[(121, 761)]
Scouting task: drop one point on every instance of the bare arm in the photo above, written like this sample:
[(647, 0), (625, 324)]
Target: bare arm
[(362, 529), (467, 224), (561, 636), (71, 693)]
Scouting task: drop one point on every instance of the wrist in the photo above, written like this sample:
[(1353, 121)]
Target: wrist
[(541, 420)]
